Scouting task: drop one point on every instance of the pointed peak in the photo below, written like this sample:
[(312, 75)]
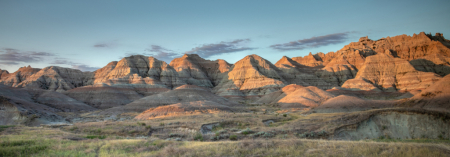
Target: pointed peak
[(253, 56), (285, 57)]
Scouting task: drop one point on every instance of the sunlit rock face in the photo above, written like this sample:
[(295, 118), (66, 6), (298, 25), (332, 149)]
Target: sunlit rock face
[(194, 70), (138, 72), (20, 75), (251, 75), (295, 73), (390, 74), (437, 96), (57, 79)]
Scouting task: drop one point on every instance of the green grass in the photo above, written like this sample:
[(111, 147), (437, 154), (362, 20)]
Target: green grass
[(21, 148), (412, 140), (96, 136), (3, 127)]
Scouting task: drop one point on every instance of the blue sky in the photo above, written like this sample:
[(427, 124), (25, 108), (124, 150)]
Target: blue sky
[(87, 34)]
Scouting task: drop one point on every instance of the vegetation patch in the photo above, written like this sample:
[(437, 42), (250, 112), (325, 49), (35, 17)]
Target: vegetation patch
[(3, 127), (21, 148)]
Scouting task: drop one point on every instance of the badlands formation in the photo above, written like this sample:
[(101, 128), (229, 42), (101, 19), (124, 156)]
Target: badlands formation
[(403, 75)]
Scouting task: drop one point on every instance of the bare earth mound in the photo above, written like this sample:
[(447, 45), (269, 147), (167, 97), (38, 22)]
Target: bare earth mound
[(435, 97), (295, 96), (344, 103), (185, 108), (182, 94)]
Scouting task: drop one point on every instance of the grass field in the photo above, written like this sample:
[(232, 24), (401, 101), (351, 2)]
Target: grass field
[(41, 141)]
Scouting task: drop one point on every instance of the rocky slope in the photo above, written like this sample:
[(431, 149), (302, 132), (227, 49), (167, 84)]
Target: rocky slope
[(295, 73), (3, 73), (435, 97), (387, 73), (36, 106), (137, 72), (17, 77), (251, 76), (194, 70), (435, 62), (57, 79)]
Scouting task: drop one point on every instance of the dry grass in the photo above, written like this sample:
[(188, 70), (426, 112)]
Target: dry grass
[(57, 143), (299, 147)]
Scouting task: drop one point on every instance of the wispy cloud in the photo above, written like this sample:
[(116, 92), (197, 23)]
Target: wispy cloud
[(313, 42), (84, 67), (9, 63), (208, 50), (108, 44), (162, 53), (10, 56), (79, 66)]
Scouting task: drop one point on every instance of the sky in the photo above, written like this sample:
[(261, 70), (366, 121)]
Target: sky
[(87, 35)]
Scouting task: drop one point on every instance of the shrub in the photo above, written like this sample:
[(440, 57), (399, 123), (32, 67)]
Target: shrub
[(246, 131), (233, 137), (198, 136), (148, 127), (3, 127), (285, 115), (161, 124), (95, 136), (175, 135), (142, 124)]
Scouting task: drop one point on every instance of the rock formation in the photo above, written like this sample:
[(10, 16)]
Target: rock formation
[(390, 74), (137, 72), (295, 73), (3, 73), (195, 70), (435, 62), (57, 79), (251, 76), (20, 75)]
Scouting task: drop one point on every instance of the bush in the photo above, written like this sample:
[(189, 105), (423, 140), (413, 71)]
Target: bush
[(161, 124), (148, 127), (3, 127), (246, 131), (285, 115), (95, 136), (73, 128), (198, 136), (233, 137), (142, 124)]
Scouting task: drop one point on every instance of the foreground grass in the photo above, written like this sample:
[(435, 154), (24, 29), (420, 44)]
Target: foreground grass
[(35, 141)]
